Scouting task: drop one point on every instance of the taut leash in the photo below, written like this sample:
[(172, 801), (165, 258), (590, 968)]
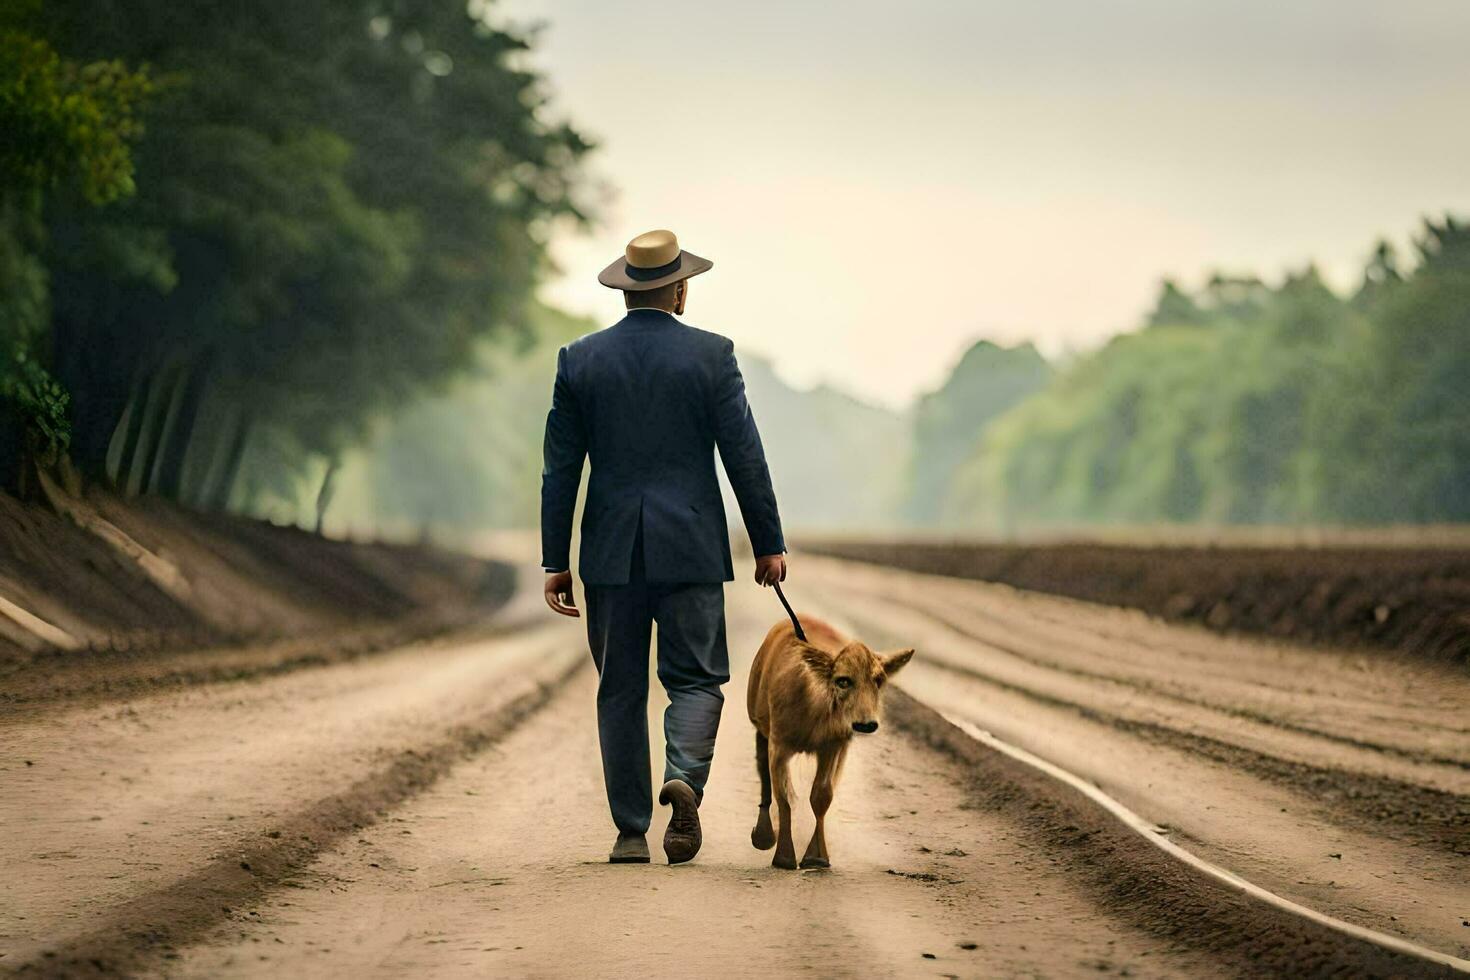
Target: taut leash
[(795, 623)]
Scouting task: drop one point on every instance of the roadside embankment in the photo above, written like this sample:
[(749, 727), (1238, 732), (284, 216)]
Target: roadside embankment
[(97, 579)]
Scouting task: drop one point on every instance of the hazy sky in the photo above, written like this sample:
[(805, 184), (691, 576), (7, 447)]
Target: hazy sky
[(881, 184)]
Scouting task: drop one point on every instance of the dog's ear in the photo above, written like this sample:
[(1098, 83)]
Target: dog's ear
[(893, 662), (818, 661)]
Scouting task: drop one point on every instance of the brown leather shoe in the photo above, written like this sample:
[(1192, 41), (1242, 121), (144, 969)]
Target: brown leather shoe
[(682, 839), (629, 849)]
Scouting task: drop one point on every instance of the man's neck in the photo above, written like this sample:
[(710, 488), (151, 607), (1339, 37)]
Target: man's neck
[(657, 309)]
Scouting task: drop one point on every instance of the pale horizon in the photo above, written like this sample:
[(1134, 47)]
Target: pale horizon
[(878, 193)]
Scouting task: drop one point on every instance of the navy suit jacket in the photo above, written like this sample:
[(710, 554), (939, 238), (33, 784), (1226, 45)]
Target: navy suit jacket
[(647, 401)]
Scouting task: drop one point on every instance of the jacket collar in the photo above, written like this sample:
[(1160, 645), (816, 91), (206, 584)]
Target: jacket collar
[(648, 316)]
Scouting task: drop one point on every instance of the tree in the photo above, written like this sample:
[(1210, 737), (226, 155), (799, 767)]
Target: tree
[(1380, 274), (1175, 308), (1398, 435), (949, 423), (1297, 406), (335, 201), (68, 127)]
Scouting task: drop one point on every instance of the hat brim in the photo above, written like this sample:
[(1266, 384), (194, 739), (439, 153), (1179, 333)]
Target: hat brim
[(615, 276)]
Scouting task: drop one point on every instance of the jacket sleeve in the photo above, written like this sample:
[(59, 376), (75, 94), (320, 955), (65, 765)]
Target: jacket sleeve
[(744, 457), (562, 453)]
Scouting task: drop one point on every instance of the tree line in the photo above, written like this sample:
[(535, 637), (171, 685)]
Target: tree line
[(1240, 402), (1243, 403), (233, 237), (237, 241)]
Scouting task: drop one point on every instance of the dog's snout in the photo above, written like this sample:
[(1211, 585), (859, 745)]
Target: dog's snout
[(866, 727)]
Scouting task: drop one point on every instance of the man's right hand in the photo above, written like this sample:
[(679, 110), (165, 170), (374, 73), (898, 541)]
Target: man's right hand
[(770, 569), (559, 594)]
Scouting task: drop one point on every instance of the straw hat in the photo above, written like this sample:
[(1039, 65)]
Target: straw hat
[(653, 259)]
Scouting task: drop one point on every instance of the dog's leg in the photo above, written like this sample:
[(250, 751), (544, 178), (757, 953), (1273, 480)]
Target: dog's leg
[(781, 783), (764, 835), (823, 786)]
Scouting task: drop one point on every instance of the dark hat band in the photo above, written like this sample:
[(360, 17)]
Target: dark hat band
[(657, 272)]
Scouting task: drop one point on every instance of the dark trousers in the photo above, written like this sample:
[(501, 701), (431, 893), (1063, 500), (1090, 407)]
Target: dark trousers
[(692, 664)]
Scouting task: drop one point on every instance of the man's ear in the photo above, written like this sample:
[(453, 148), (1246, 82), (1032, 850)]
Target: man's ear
[(681, 294), (893, 662), (818, 661)]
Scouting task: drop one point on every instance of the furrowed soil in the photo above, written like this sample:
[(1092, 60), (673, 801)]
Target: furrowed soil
[(1413, 600), (437, 809)]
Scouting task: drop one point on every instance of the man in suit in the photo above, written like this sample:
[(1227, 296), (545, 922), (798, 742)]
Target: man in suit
[(648, 400)]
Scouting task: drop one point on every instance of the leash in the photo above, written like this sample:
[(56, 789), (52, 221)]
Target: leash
[(795, 623)]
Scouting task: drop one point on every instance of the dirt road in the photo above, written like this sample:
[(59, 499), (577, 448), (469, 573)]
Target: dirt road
[(438, 810)]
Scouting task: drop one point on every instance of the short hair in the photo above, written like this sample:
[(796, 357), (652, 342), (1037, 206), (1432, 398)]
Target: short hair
[(662, 296)]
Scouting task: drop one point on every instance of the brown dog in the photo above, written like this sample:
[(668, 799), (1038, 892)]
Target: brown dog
[(810, 697)]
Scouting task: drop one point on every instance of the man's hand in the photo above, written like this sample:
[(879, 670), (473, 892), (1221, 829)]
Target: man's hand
[(559, 594), (770, 569)]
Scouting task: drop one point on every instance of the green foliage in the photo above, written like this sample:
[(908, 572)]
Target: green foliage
[(64, 124), (43, 403), (336, 202), (1255, 405), (1396, 440), (836, 462), (949, 423), (63, 120), (1175, 307), (469, 457), (1263, 405), (1095, 431)]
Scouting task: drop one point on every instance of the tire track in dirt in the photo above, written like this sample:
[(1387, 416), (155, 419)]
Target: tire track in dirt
[(154, 924), (1141, 884), (990, 865), (1005, 634), (460, 885), (1426, 815), (1158, 837), (1288, 834), (1440, 819), (1157, 690), (952, 858), (71, 679)]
